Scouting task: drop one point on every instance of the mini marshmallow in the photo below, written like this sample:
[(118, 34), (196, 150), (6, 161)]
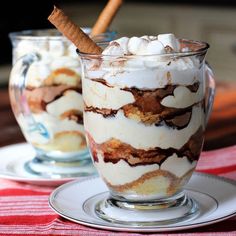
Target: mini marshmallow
[(155, 47), (114, 49), (137, 46), (24, 47), (169, 40), (64, 61), (183, 63), (37, 73), (123, 43), (56, 48)]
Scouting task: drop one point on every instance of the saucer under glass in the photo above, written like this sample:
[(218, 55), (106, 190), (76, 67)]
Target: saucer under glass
[(58, 166)]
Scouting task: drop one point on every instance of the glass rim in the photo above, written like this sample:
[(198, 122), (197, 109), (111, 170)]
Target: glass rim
[(33, 34), (203, 47)]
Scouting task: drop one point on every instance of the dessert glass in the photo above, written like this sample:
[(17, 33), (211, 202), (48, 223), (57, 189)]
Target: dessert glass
[(144, 120), (46, 98)]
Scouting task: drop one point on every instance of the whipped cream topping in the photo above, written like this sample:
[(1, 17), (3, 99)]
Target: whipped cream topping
[(51, 124), (53, 54), (53, 48), (178, 166), (139, 135), (145, 45), (148, 74), (156, 68)]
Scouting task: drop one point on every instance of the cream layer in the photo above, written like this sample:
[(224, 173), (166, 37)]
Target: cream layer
[(98, 95), (122, 173), (178, 165), (138, 135), (183, 97), (70, 100), (44, 126)]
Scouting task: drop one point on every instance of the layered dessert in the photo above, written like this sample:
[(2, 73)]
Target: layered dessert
[(144, 115), (52, 120)]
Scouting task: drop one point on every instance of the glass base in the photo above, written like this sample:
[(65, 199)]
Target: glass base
[(163, 212), (46, 167)]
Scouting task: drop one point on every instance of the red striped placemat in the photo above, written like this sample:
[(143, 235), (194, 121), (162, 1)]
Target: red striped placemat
[(24, 207)]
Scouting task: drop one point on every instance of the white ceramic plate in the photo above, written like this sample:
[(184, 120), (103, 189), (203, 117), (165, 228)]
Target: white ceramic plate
[(12, 161), (76, 201)]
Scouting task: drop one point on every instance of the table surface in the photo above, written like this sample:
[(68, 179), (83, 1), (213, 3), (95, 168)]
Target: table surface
[(24, 207)]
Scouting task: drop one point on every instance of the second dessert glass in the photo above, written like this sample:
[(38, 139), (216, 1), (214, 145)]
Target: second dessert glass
[(144, 118), (46, 97)]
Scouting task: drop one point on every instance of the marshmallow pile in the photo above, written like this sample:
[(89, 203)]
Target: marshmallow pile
[(54, 54), (145, 45), (46, 48)]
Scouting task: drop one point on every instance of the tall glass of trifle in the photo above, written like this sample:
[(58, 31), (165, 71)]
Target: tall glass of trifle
[(46, 98), (146, 104)]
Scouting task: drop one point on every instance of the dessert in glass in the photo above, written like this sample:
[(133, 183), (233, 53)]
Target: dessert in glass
[(46, 98), (146, 105)]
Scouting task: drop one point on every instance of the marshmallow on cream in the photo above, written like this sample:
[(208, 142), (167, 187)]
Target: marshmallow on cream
[(145, 45)]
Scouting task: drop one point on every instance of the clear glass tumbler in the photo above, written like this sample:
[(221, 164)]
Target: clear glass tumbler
[(144, 120), (46, 97)]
